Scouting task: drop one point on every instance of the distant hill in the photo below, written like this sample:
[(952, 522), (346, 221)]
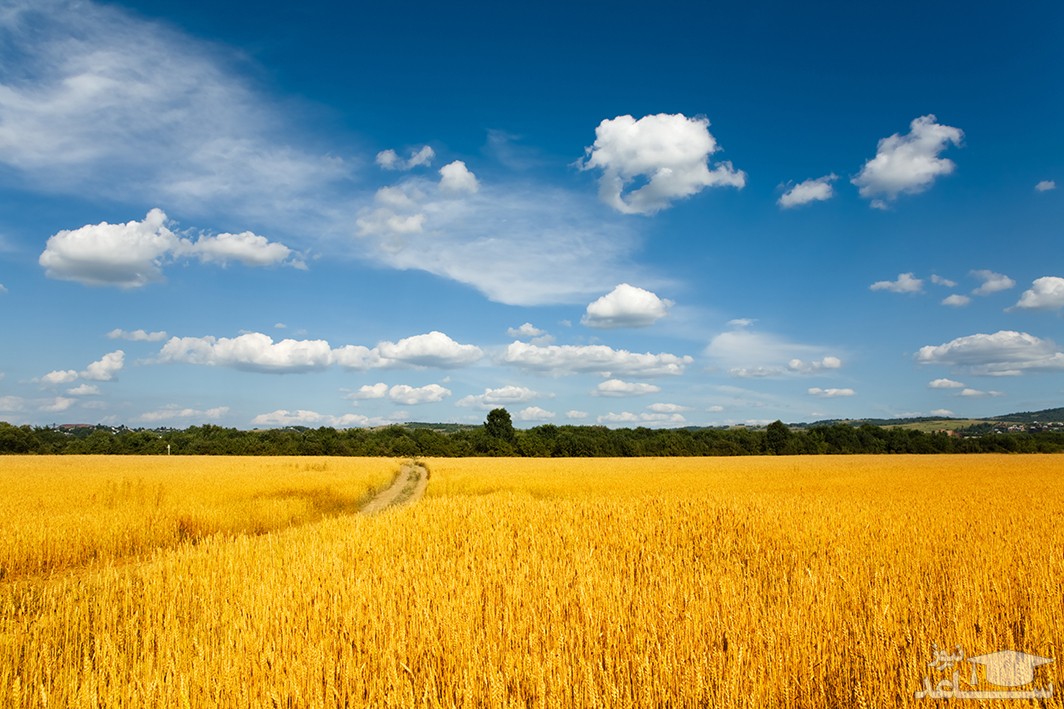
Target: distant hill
[(1033, 416)]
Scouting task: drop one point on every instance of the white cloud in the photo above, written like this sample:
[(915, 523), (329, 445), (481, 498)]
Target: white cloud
[(502, 396), (945, 384), (534, 413), (956, 300), (742, 322), (816, 190), (251, 351), (941, 412), (940, 281), (525, 332), (304, 417), (174, 413), (411, 396), (1045, 186), (802, 367), (58, 404), (84, 390), (748, 354), (570, 359), (456, 177), (433, 349), (499, 240), (59, 376), (616, 387), (906, 283), (245, 247), (127, 255), (390, 160), (136, 335), (992, 282), (105, 368), (1003, 353), (667, 408), (370, 391), (164, 117), (3, 289), (979, 394), (626, 306), (11, 404), (132, 255), (830, 393), (627, 417), (908, 164), (1046, 293), (255, 351), (669, 152), (575, 415)]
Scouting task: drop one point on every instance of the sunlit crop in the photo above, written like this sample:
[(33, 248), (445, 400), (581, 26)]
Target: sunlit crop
[(755, 582)]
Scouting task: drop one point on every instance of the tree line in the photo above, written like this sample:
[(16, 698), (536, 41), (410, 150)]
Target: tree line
[(498, 437)]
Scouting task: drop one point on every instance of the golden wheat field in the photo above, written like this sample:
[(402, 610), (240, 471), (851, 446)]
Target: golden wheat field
[(719, 582)]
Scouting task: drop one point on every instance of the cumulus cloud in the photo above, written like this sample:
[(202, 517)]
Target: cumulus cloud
[(534, 413), (749, 354), (255, 351), (642, 419), (525, 332), (370, 391), (106, 368), (992, 282), (600, 359), (945, 384), (574, 415), (626, 306), (956, 300), (58, 404), (804, 367), (245, 247), (136, 335), (175, 413), (304, 417), (815, 190), (88, 111), (252, 351), (617, 387), (433, 349), (940, 281), (1045, 186), (390, 160), (59, 376), (502, 396), (830, 393), (978, 393), (1046, 293), (132, 255), (456, 177), (941, 412), (1003, 353), (906, 283), (908, 164), (669, 153), (411, 396), (667, 408), (84, 390)]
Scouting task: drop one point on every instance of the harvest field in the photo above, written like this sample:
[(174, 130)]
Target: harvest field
[(756, 582)]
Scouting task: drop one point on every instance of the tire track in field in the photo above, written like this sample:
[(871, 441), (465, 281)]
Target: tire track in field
[(407, 488)]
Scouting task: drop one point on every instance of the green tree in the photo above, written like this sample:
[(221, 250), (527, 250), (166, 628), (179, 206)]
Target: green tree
[(499, 425)]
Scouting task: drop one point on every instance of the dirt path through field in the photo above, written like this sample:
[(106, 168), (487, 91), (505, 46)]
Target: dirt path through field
[(408, 487)]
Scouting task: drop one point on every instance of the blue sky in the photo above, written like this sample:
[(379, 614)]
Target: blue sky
[(269, 214)]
